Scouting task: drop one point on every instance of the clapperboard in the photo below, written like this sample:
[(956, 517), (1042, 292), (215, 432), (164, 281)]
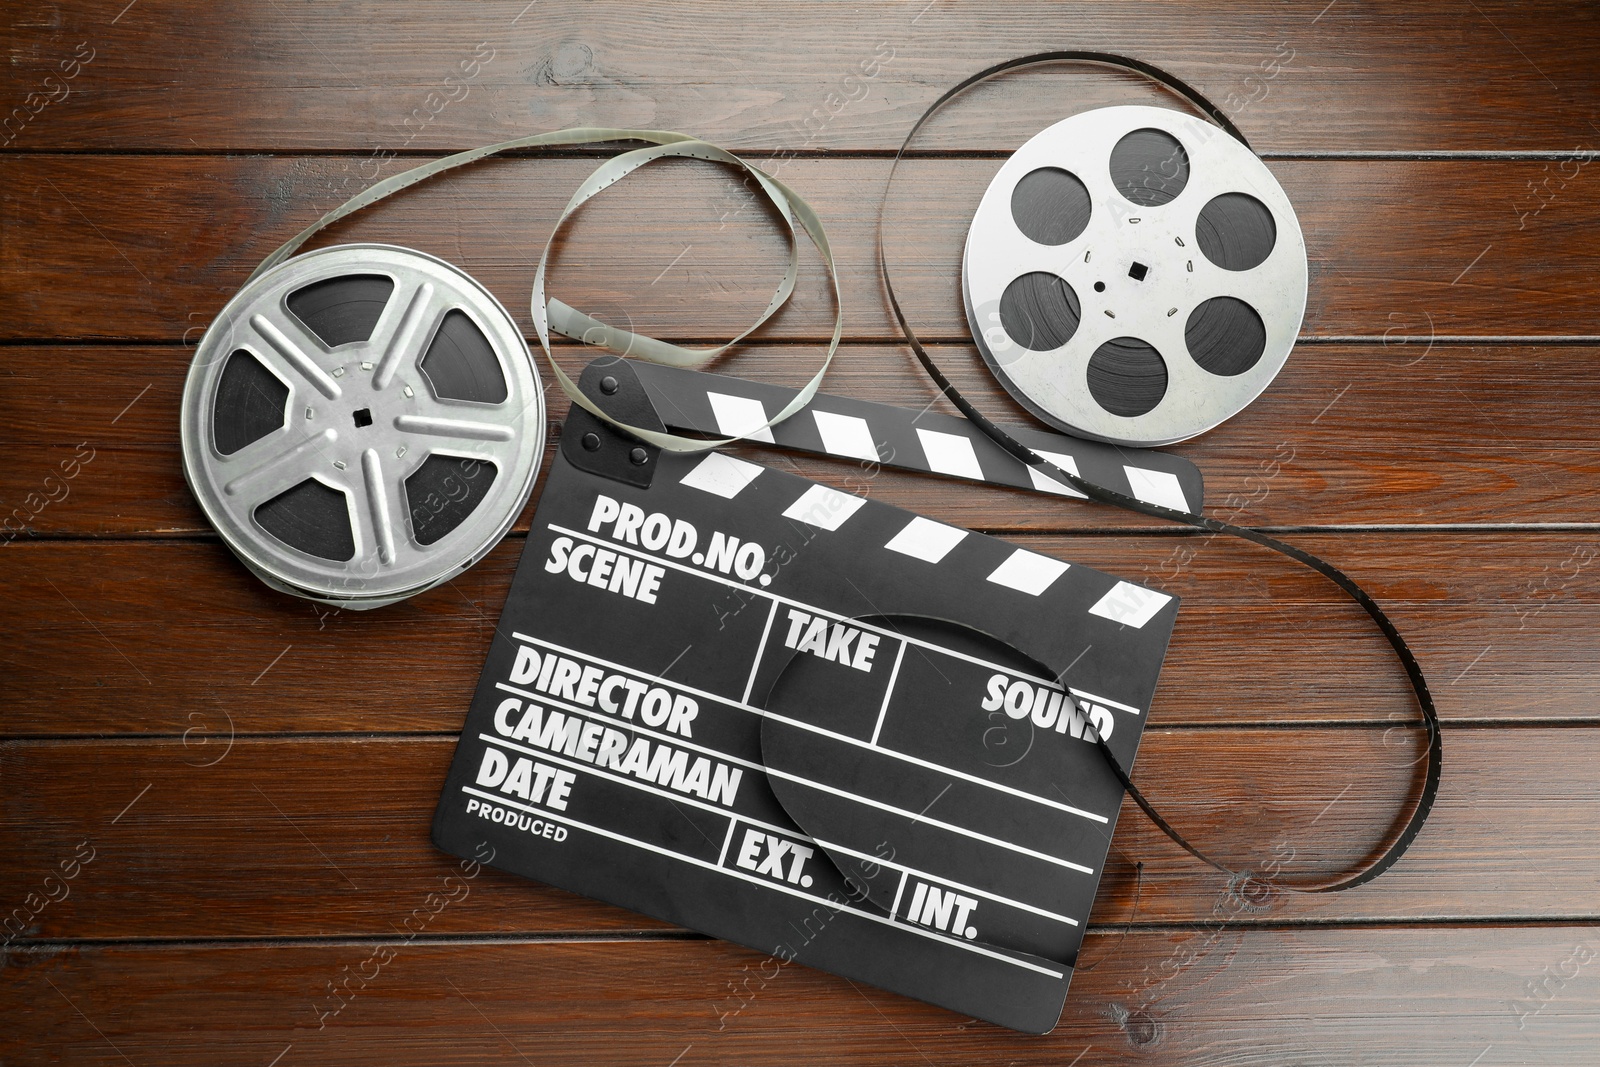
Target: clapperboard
[(798, 719)]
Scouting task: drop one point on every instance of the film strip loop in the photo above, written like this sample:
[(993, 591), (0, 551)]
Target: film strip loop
[(1406, 829), (551, 314)]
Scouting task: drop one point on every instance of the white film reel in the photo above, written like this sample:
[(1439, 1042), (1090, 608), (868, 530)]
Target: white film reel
[(1134, 275), (361, 423)]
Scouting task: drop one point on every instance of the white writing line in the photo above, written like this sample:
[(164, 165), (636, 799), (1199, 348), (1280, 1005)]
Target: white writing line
[(541, 753), (888, 693), (90, 1021), (273, 664), (832, 846), (952, 827), (736, 816), (847, 739), (761, 650), (308, 840), (131, 803), (752, 879), (859, 623), (613, 721), (132, 402), (1332, 402), (669, 266), (1471, 665), (1474, 263)]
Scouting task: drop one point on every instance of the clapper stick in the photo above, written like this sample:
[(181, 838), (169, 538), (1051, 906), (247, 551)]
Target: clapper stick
[(925, 440)]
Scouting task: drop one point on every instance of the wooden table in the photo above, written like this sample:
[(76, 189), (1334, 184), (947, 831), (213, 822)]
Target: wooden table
[(215, 798)]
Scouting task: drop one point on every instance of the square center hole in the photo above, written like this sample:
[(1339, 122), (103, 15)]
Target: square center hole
[(363, 417), (1138, 271)]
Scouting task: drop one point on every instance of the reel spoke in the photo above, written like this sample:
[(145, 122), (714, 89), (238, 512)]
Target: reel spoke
[(405, 330), (259, 475), (458, 429), (294, 346), (428, 391), (1182, 223), (379, 518)]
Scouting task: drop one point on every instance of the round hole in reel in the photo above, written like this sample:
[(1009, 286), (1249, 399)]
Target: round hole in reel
[(361, 423), (1185, 264)]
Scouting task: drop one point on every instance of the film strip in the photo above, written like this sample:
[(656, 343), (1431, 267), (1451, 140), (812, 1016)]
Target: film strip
[(1406, 827), (327, 505), (805, 721), (734, 698)]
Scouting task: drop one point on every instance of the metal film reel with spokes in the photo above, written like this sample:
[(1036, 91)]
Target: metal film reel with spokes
[(361, 423), (1134, 275)]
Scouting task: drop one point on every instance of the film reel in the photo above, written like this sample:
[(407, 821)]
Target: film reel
[(1134, 275), (361, 423)]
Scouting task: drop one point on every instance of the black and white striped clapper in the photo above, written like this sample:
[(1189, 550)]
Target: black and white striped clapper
[(811, 723), (921, 439)]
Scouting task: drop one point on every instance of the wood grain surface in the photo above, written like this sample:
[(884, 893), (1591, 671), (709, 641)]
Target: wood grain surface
[(216, 798), (1215, 994), (1488, 75), (1490, 433), (1400, 250), (103, 630), (243, 829)]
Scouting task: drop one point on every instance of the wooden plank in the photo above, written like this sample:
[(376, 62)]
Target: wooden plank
[(366, 76), (343, 821), (150, 247), (1347, 435), (215, 836), (1429, 997), (107, 638), (254, 774)]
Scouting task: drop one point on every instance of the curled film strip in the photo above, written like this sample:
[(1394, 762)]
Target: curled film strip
[(361, 491), (1406, 828)]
